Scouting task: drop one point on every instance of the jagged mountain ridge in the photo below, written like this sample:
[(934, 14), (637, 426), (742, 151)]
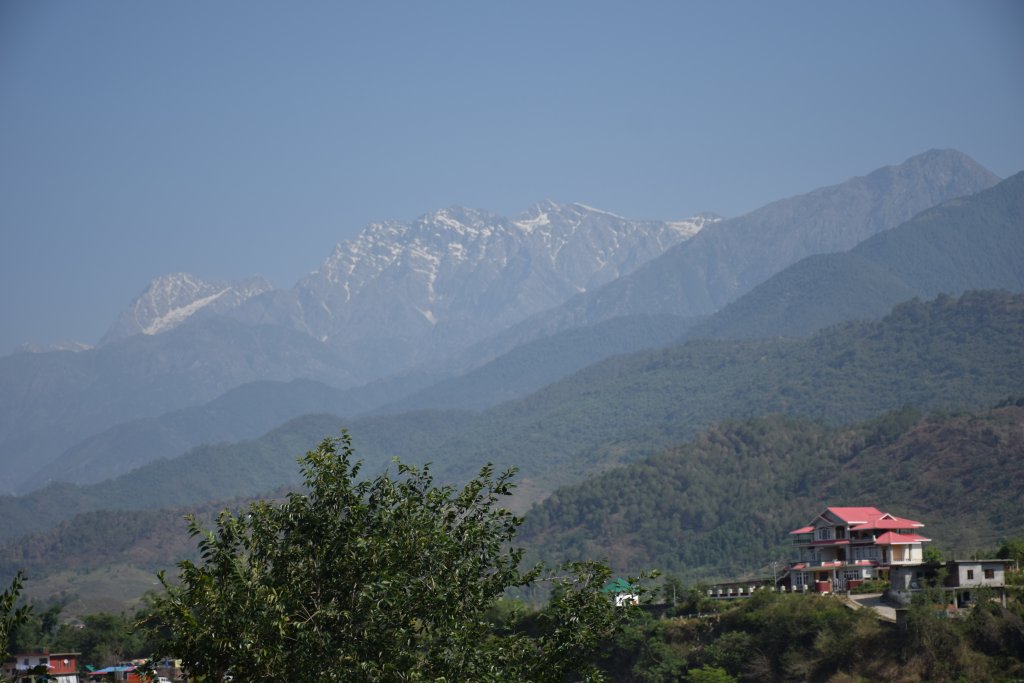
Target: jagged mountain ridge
[(732, 257), (404, 292), (398, 293)]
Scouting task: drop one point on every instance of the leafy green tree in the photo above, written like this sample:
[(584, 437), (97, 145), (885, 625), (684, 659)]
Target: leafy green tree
[(933, 556), (707, 674), (102, 639), (10, 616), (1012, 549), (673, 589), (383, 579)]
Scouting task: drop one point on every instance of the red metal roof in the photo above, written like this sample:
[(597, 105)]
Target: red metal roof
[(864, 519), (888, 522), (893, 538), (856, 515)]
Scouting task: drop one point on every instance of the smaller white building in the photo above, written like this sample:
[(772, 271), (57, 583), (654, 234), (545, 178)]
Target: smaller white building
[(961, 577), (976, 573)]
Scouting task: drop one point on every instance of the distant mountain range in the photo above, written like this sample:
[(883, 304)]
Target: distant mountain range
[(974, 242), (574, 345), (395, 294), (676, 395), (51, 401), (403, 295), (951, 353), (732, 257)]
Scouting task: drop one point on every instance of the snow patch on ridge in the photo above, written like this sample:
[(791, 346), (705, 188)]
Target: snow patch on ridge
[(528, 225), (604, 213), (176, 316)]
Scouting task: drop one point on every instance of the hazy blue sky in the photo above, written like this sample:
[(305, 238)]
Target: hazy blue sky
[(231, 138)]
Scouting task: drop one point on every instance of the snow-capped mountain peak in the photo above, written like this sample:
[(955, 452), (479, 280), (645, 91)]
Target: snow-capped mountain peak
[(454, 275), (171, 299), (402, 292)]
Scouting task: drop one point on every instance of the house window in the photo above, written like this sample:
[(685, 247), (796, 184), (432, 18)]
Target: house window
[(865, 553), (824, 533), (990, 573), (970, 575)]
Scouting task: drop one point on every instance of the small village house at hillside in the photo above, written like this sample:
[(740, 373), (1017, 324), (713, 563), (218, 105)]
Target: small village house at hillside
[(41, 665), (127, 672), (963, 575), (623, 591), (962, 579), (844, 546)]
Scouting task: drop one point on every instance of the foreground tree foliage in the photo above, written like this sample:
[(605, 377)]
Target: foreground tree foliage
[(384, 579), (11, 617), (783, 638)]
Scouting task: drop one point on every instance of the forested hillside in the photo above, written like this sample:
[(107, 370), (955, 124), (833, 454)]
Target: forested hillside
[(722, 505), (718, 506), (948, 354)]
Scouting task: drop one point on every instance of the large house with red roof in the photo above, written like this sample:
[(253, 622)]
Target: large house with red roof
[(844, 546)]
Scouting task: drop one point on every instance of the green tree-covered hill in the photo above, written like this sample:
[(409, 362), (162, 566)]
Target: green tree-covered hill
[(722, 505)]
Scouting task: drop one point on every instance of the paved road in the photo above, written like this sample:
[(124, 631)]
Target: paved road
[(885, 611)]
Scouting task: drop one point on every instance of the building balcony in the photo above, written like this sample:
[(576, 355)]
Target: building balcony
[(813, 543), (832, 564)]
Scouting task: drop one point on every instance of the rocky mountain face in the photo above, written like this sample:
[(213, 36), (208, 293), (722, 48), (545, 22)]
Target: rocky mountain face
[(174, 298), (732, 257), (400, 293)]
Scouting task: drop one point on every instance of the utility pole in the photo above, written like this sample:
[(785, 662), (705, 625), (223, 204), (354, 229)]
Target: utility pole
[(775, 573)]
